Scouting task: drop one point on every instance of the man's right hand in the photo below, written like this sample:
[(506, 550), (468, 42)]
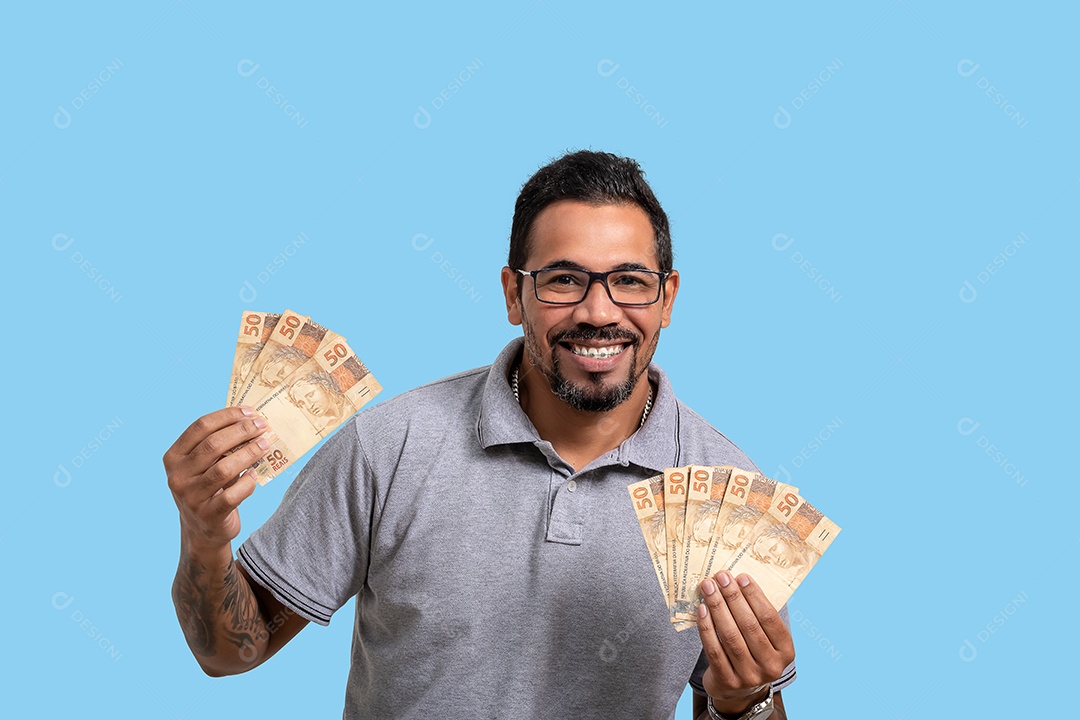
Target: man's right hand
[(204, 468)]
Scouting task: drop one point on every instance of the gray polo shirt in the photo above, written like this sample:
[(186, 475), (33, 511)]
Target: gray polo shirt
[(492, 581)]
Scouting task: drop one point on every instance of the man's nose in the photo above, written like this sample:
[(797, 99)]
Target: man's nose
[(597, 309)]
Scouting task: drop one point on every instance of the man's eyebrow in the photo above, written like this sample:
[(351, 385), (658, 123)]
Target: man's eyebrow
[(571, 265)]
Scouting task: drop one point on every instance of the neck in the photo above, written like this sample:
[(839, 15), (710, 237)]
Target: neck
[(578, 436)]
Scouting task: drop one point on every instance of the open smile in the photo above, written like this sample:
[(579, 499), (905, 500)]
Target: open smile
[(595, 352)]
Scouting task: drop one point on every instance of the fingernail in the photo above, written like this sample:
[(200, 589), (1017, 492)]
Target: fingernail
[(708, 587), (263, 443), (247, 411), (702, 611), (260, 422), (743, 580), (724, 579)]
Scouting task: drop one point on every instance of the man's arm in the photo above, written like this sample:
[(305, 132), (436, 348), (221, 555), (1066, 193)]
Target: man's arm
[(230, 622), (746, 642)]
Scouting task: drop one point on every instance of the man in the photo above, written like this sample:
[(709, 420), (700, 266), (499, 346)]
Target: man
[(482, 522)]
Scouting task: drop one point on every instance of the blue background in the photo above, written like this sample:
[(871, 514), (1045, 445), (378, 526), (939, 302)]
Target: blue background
[(870, 204)]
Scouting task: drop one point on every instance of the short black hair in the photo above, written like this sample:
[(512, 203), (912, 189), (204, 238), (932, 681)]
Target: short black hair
[(598, 178)]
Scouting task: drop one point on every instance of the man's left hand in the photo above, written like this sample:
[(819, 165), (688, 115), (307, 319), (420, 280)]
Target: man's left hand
[(745, 639)]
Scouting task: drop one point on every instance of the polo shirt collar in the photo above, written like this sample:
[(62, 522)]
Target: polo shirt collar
[(654, 446)]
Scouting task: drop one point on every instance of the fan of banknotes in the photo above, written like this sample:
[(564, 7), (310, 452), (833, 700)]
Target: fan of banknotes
[(699, 520), (304, 379)]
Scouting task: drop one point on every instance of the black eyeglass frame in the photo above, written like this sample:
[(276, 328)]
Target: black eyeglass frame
[(602, 278)]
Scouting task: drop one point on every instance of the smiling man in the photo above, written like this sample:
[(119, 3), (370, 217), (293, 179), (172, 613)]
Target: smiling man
[(482, 521)]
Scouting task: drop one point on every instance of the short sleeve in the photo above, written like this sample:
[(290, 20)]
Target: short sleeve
[(782, 682), (312, 554)]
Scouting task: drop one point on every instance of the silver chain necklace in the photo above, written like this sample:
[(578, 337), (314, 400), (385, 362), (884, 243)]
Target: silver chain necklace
[(517, 397)]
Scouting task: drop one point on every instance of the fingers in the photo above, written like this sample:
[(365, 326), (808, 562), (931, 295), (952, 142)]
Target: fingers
[(230, 498), (212, 452), (224, 473), (743, 636), (720, 638), (746, 621), (205, 426), (767, 616), (223, 441), (723, 626)]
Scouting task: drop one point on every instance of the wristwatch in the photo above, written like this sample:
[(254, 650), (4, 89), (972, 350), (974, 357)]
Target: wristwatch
[(757, 711)]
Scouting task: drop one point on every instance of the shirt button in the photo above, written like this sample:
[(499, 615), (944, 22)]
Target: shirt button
[(572, 485)]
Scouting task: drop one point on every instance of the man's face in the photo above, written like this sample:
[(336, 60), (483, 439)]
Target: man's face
[(559, 339)]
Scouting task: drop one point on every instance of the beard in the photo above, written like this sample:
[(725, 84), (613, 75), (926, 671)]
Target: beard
[(594, 397)]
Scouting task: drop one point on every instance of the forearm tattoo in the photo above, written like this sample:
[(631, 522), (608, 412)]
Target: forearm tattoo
[(245, 624), (204, 606), (193, 608)]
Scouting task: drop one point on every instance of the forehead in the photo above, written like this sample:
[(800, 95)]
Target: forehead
[(597, 237)]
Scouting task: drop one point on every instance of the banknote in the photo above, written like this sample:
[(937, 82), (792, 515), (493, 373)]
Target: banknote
[(255, 328), (784, 545), (648, 499), (699, 480), (675, 487), (294, 340), (699, 520), (703, 501), (312, 402)]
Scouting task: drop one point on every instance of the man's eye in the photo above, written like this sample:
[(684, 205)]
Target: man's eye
[(564, 279), (630, 280)]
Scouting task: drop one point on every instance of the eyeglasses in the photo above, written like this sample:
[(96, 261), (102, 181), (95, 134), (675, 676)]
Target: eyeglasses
[(569, 286)]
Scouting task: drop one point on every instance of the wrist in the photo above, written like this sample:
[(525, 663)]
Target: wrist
[(735, 704), (208, 552)]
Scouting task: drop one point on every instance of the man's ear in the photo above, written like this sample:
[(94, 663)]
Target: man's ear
[(510, 281), (671, 289)]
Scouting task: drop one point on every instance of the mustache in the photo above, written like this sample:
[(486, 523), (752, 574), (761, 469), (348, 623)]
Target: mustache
[(589, 332)]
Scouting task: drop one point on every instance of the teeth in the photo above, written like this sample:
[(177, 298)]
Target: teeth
[(592, 352)]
